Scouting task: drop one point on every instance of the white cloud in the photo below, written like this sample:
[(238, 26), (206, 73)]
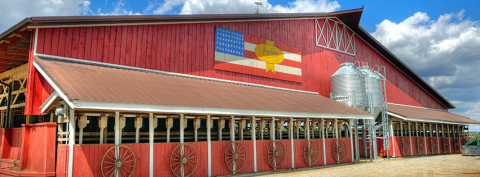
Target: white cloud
[(120, 10), (14, 11), (444, 51), (245, 6)]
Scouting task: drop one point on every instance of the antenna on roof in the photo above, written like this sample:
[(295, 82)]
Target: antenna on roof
[(259, 4)]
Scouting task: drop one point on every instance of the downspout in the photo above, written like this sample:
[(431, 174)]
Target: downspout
[(8, 102)]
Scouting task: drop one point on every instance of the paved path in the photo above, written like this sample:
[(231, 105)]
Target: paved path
[(437, 165)]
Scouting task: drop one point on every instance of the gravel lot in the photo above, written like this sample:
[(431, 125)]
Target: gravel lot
[(437, 165)]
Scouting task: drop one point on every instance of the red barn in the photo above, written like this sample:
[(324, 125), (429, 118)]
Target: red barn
[(140, 95)]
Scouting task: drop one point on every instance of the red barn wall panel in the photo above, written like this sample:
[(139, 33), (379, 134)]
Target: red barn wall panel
[(287, 163), (298, 150), (329, 151), (12, 142), (440, 144), (262, 163), (249, 166), (62, 161), (189, 48), (218, 149)]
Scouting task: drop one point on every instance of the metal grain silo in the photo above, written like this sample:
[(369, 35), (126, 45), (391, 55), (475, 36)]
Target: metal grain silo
[(347, 86), (373, 85)]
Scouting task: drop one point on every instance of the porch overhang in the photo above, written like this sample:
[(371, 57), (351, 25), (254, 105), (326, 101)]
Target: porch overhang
[(95, 86), (417, 114)]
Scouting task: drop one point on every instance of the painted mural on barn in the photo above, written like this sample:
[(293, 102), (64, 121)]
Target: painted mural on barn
[(241, 53)]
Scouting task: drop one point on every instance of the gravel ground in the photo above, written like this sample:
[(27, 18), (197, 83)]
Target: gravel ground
[(437, 165)]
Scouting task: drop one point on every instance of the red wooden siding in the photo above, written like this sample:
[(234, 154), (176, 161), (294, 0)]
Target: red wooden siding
[(329, 151), (189, 49), (11, 143), (37, 152)]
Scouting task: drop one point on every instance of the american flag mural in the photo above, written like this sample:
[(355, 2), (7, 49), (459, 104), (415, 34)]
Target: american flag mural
[(241, 53)]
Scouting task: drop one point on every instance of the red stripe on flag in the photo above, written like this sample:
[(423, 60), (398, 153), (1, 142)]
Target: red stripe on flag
[(219, 65), (283, 47), (286, 62)]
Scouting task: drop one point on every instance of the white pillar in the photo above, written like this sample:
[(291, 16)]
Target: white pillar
[(209, 144), (307, 124), (240, 129), (254, 138), (425, 138), (323, 139), (351, 137), (391, 135), (336, 129), (182, 127), (272, 129), (71, 142), (117, 128), (449, 143), (168, 125), (290, 132), (438, 142), (232, 128), (410, 135), (150, 142)]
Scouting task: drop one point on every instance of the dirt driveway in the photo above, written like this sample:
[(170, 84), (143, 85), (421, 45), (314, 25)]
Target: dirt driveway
[(438, 165)]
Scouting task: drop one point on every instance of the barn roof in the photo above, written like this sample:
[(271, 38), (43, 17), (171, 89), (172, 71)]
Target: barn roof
[(350, 17), (418, 114), (99, 86)]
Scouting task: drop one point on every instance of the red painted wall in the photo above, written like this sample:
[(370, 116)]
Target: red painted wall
[(11, 143), (189, 48), (38, 144)]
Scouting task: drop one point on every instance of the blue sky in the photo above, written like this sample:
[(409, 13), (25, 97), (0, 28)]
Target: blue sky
[(375, 10), (439, 40)]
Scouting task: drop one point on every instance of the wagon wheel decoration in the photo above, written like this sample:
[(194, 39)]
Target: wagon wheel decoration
[(445, 145), (420, 145), (235, 156), (433, 145), (311, 152), (339, 150), (275, 154), (119, 160), (183, 160), (455, 144), (405, 148)]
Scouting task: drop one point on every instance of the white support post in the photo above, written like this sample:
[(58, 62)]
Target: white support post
[(336, 129), (182, 129), (323, 139), (313, 129), (240, 129), (138, 126), (82, 123), (102, 124), (232, 137), (272, 129), (449, 143), (71, 142), (351, 136), (425, 138), (232, 128), (122, 121), (401, 129), (438, 141), (410, 135), (117, 128), (221, 125), (261, 128), (307, 131), (297, 126), (168, 125), (196, 126), (391, 135), (279, 129), (357, 148), (209, 144), (290, 132), (150, 141), (254, 138)]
